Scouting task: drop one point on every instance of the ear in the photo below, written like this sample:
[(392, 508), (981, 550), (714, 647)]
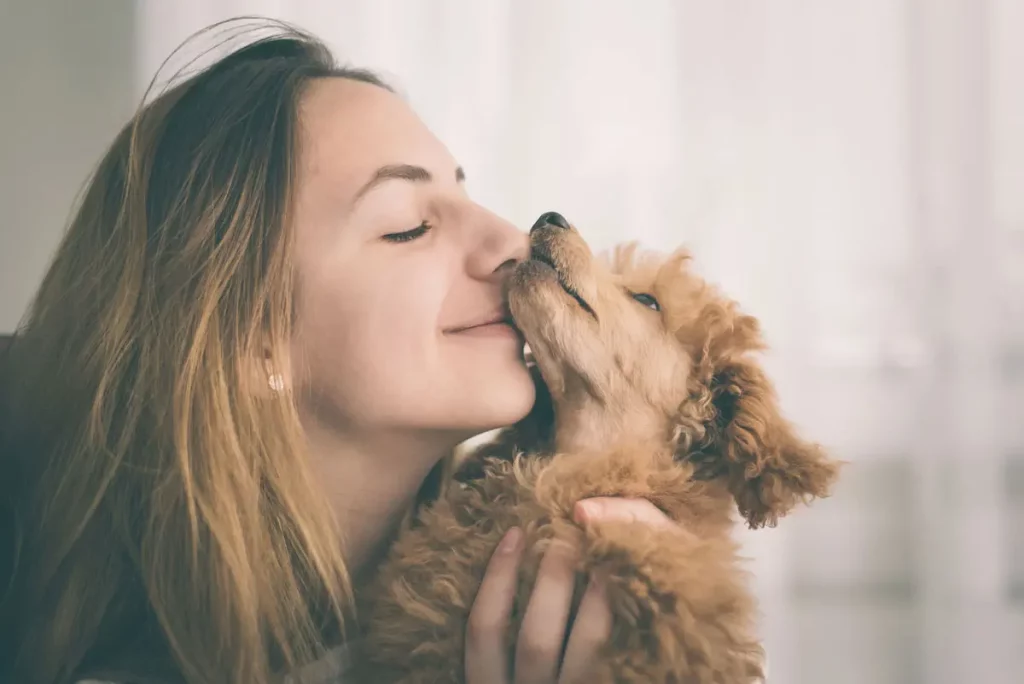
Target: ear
[(743, 436), (769, 468), (534, 434)]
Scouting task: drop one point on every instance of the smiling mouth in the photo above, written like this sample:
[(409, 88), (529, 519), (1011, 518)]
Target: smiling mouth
[(489, 326), (569, 290)]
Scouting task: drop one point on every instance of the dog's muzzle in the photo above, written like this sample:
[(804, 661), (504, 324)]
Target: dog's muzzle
[(554, 222), (550, 218)]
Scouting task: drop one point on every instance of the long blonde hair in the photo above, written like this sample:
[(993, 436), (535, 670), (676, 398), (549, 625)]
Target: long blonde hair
[(161, 501)]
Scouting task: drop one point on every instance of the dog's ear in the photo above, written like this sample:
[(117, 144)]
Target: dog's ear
[(738, 430), (534, 434)]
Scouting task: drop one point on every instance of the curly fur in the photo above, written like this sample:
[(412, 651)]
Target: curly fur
[(669, 405)]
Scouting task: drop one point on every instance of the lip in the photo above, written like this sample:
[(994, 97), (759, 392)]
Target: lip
[(498, 328), (493, 323), (569, 290)]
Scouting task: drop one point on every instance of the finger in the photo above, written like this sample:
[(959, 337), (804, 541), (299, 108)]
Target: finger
[(606, 508), (590, 632), (486, 655), (539, 645)]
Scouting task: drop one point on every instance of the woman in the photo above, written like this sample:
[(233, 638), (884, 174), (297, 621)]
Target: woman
[(269, 322)]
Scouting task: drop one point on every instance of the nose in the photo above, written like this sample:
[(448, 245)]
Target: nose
[(498, 246), (551, 218)]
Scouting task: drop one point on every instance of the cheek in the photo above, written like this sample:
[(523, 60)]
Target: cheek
[(641, 344), (358, 331)]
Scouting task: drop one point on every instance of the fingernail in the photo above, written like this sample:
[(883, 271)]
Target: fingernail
[(510, 542)]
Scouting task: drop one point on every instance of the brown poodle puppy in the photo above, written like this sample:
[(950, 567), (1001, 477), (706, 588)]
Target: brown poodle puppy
[(654, 392)]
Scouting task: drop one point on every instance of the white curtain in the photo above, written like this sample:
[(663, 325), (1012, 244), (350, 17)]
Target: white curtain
[(853, 173)]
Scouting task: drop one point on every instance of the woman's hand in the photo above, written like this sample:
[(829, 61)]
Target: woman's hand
[(538, 657)]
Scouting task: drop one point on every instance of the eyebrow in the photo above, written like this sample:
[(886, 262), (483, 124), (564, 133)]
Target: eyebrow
[(406, 172)]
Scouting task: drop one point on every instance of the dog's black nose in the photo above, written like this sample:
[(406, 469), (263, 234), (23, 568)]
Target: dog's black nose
[(551, 218)]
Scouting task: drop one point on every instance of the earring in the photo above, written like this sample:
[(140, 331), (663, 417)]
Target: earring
[(276, 382)]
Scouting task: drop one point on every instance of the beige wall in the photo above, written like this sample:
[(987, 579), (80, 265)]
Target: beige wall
[(66, 86)]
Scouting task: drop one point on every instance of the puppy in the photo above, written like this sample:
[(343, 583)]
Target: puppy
[(650, 389)]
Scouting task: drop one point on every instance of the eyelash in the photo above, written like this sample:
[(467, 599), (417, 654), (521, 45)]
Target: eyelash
[(409, 235)]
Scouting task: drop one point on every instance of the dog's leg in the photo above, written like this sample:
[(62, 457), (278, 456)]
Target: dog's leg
[(682, 611), (682, 608)]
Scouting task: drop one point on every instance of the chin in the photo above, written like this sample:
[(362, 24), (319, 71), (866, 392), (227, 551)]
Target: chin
[(506, 397)]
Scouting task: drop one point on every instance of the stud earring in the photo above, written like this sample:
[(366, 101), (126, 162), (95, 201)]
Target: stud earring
[(276, 382)]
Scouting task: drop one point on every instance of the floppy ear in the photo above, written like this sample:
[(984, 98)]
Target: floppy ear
[(744, 436), (533, 434)]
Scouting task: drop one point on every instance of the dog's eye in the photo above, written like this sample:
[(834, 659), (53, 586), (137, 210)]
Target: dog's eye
[(647, 300)]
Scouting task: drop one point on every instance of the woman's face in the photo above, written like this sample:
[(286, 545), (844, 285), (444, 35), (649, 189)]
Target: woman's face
[(398, 273)]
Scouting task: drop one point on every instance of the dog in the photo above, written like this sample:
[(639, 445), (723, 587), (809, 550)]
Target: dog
[(651, 388)]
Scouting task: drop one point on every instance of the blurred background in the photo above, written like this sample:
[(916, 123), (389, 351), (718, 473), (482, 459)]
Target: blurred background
[(851, 172)]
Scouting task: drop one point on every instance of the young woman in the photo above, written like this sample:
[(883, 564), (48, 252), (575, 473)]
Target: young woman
[(272, 317)]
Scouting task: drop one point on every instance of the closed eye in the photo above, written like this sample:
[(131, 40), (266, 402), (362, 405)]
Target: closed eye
[(408, 235), (647, 300)]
